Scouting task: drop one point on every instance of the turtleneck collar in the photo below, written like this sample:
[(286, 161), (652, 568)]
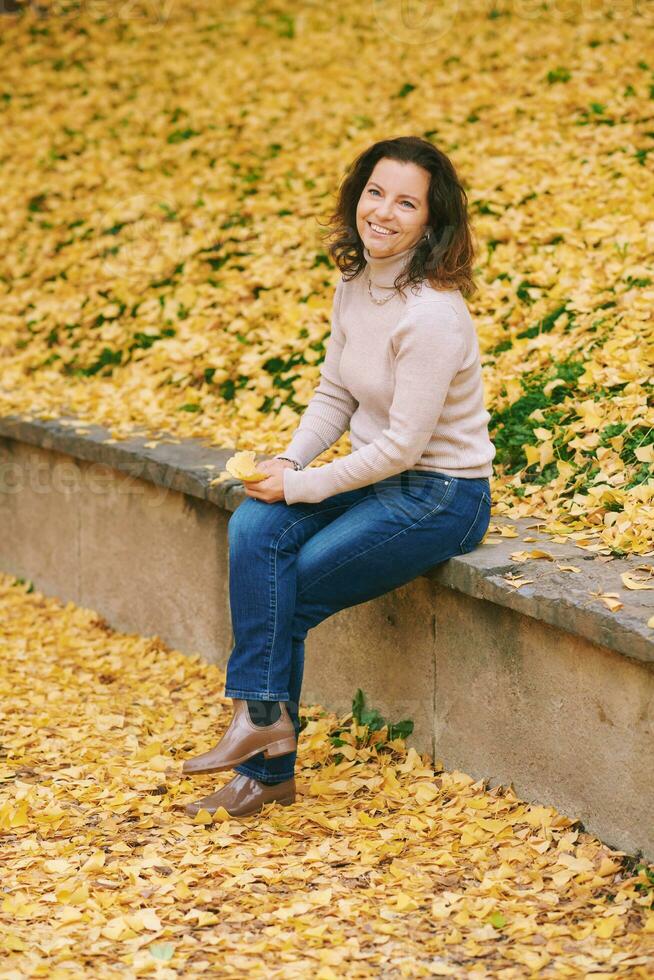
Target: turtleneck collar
[(384, 270)]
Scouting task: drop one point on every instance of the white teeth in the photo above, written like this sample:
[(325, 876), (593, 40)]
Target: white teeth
[(383, 231)]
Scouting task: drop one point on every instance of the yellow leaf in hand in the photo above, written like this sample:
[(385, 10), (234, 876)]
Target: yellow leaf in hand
[(242, 466)]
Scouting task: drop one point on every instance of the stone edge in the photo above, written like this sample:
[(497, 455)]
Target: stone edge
[(181, 465)]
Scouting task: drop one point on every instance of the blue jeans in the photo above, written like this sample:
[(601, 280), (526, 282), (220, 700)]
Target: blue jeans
[(293, 565)]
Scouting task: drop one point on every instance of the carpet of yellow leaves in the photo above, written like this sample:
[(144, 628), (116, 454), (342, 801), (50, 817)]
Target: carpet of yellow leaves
[(165, 168), (386, 865)]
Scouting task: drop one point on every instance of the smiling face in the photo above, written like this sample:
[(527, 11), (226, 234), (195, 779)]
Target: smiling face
[(392, 213)]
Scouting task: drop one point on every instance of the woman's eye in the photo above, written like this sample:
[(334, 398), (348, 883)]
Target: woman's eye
[(373, 190)]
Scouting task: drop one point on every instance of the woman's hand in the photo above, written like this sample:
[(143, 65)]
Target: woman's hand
[(272, 489)]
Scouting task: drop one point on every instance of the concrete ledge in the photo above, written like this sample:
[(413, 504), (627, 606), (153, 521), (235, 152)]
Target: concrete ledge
[(543, 686), (554, 597)]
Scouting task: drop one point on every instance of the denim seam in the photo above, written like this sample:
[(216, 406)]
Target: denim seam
[(444, 500), (463, 544), (273, 578)]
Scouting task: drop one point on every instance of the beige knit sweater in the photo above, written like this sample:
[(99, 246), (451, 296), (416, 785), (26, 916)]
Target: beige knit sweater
[(406, 378)]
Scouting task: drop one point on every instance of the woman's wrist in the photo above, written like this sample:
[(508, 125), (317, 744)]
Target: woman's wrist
[(296, 465)]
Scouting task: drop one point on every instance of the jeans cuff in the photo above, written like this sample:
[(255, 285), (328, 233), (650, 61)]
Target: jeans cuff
[(263, 777), (234, 692)]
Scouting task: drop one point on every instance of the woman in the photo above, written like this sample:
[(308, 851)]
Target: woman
[(402, 370)]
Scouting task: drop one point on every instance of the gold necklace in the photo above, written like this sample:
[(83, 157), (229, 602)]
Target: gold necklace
[(379, 302)]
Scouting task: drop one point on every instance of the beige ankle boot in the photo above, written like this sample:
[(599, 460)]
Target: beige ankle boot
[(243, 739)]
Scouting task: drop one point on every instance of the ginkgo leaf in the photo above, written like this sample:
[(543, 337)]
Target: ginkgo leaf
[(534, 553), (631, 582), (162, 951), (95, 862), (645, 453), (242, 466)]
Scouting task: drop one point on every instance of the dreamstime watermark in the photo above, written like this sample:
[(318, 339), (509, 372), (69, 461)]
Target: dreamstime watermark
[(412, 494), (415, 21), (579, 10), (151, 13), (67, 477), (424, 22), (132, 233)]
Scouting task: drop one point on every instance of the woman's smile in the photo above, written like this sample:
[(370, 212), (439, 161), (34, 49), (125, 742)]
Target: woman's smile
[(380, 230)]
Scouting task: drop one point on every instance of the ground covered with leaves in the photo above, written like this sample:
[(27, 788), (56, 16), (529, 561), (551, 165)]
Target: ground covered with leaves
[(165, 167), (386, 865)]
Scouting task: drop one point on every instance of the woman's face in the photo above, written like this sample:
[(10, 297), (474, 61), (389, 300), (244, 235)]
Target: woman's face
[(395, 201)]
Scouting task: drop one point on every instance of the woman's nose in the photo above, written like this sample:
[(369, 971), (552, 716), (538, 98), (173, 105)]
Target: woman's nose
[(384, 210)]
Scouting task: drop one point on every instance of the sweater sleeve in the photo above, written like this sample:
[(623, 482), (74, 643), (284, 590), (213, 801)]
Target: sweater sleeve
[(429, 350), (330, 409)]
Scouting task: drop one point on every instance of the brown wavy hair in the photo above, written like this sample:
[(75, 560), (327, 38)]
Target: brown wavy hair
[(445, 257)]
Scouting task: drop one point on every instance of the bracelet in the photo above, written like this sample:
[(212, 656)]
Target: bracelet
[(296, 465)]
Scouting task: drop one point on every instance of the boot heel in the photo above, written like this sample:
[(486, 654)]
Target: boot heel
[(279, 748)]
